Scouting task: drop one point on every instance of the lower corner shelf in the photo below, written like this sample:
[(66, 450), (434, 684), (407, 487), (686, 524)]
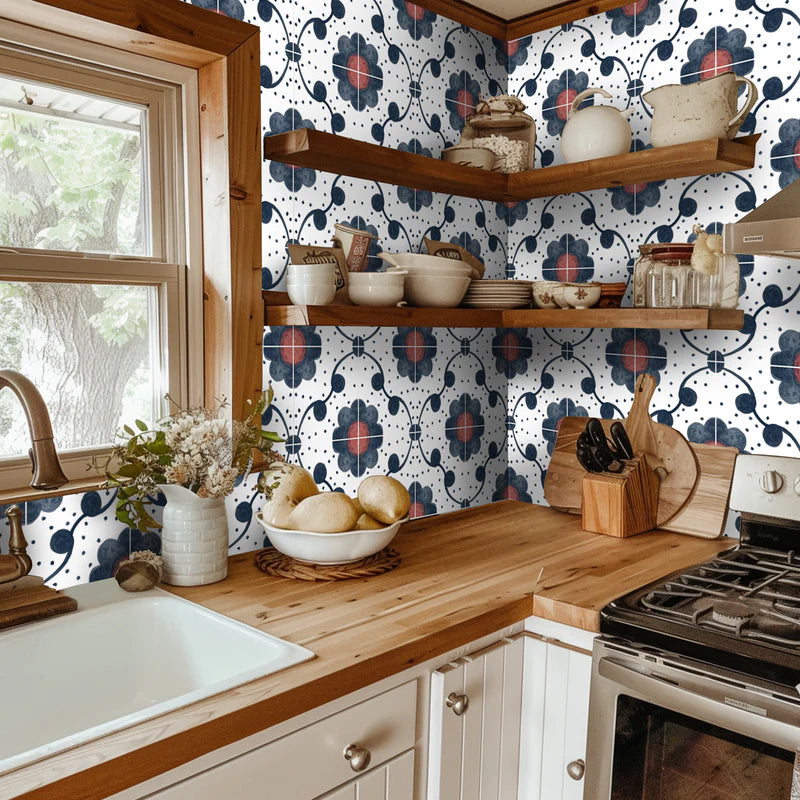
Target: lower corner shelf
[(279, 311)]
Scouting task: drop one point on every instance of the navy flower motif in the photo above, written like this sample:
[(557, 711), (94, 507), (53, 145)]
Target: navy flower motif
[(416, 20), (414, 349), (786, 154), (716, 432), (630, 353), (422, 504), (512, 54), (464, 427), (511, 213), (461, 98), (294, 178), (291, 353), (415, 198), (356, 67), (230, 8), (786, 366), (717, 52), (470, 244), (512, 347), (112, 551), (555, 413), (560, 94), (636, 197), (358, 438), (568, 260), (510, 486), (632, 18)]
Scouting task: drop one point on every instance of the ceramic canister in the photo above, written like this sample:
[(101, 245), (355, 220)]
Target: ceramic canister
[(355, 244)]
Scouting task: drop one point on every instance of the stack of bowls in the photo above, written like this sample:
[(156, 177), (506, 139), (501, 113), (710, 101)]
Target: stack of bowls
[(376, 288), (311, 284), (432, 281)]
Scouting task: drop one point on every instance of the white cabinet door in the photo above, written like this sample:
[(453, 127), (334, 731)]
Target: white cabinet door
[(474, 755), (556, 714), (393, 781)]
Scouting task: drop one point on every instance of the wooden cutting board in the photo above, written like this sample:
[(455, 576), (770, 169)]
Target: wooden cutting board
[(668, 451), (706, 506), (32, 603)]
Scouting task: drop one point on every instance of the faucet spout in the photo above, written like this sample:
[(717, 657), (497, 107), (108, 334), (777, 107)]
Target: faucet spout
[(47, 472)]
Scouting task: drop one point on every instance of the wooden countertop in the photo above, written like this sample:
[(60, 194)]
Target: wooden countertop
[(464, 575)]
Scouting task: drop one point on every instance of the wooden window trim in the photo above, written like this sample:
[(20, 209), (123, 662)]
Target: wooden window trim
[(226, 55)]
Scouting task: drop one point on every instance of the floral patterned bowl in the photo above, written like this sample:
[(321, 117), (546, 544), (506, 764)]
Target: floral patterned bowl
[(543, 294), (582, 295)]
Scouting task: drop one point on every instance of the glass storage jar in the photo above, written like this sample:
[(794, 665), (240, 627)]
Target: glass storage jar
[(674, 258), (503, 116)]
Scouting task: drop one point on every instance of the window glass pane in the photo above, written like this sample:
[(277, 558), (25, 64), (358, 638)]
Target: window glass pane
[(89, 350), (71, 171)]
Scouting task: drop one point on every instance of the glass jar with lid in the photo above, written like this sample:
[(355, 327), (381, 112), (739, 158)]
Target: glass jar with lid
[(661, 275), (501, 125)]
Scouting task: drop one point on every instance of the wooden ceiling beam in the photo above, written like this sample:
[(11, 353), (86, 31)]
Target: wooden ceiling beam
[(511, 29)]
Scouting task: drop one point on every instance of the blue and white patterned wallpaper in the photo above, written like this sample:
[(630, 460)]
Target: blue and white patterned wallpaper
[(467, 416)]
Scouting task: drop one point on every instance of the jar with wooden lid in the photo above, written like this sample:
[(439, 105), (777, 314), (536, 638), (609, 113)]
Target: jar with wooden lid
[(669, 264), (501, 125)]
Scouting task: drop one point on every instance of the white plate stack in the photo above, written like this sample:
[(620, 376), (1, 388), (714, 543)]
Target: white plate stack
[(498, 294)]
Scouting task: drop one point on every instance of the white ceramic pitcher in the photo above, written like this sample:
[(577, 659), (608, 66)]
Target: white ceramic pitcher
[(704, 110)]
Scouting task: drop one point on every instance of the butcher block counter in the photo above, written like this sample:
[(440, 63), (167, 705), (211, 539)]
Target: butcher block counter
[(463, 575)]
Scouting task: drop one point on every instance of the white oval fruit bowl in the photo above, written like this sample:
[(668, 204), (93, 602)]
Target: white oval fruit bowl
[(329, 549)]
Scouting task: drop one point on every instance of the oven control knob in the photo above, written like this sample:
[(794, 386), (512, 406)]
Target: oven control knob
[(771, 481)]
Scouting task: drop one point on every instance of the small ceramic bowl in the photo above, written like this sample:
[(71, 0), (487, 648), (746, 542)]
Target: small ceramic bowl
[(375, 294), (311, 294), (330, 548), (559, 296), (543, 294), (435, 291), (581, 295), (304, 271), (480, 157)]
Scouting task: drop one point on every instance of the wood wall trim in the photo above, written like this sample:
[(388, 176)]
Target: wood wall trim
[(230, 135), (169, 30)]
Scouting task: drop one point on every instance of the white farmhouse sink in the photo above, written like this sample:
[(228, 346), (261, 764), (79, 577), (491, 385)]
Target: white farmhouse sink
[(120, 659)]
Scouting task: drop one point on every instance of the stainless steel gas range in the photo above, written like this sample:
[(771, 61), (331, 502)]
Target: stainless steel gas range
[(695, 684)]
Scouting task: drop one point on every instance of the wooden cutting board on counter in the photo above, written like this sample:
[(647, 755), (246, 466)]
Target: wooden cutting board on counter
[(705, 505)]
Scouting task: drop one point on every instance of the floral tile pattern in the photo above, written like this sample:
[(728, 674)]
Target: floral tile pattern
[(464, 417)]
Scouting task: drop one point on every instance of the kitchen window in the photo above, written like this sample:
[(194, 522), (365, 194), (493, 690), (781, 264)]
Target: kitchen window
[(100, 276)]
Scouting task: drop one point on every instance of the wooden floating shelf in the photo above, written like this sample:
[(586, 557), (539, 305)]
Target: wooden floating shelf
[(344, 156), (278, 311)]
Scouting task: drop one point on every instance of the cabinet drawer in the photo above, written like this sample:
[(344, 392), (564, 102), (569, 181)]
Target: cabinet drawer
[(310, 762)]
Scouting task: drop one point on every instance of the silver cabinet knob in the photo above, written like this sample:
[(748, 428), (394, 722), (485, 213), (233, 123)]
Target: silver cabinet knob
[(575, 769), (771, 481), (458, 702), (359, 757)]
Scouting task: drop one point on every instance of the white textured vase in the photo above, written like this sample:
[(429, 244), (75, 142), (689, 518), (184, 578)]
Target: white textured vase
[(194, 538)]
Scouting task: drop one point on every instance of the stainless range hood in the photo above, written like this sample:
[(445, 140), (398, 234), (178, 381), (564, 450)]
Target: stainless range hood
[(772, 229)]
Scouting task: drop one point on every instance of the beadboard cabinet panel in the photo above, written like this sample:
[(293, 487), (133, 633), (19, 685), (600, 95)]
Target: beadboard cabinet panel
[(394, 781), (475, 755)]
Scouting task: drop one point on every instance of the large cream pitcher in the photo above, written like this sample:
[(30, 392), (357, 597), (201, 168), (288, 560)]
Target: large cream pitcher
[(703, 110)]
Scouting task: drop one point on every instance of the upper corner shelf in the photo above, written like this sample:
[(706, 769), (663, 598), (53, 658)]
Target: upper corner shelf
[(344, 156)]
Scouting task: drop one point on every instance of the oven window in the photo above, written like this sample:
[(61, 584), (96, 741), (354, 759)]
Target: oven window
[(661, 755)]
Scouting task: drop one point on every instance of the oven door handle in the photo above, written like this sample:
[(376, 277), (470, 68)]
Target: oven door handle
[(766, 722)]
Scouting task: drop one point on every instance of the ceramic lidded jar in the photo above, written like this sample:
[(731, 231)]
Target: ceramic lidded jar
[(503, 116), (595, 131)]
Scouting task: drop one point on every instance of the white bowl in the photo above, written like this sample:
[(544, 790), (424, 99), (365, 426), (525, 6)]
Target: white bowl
[(424, 262), (377, 278), (435, 291), (311, 294), (330, 548), (368, 294), (311, 271)]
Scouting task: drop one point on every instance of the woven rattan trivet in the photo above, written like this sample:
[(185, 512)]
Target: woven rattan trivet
[(281, 566)]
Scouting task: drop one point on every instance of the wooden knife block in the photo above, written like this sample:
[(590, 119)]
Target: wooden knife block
[(621, 505)]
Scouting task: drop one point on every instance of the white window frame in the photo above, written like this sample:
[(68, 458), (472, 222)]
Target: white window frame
[(175, 266)]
